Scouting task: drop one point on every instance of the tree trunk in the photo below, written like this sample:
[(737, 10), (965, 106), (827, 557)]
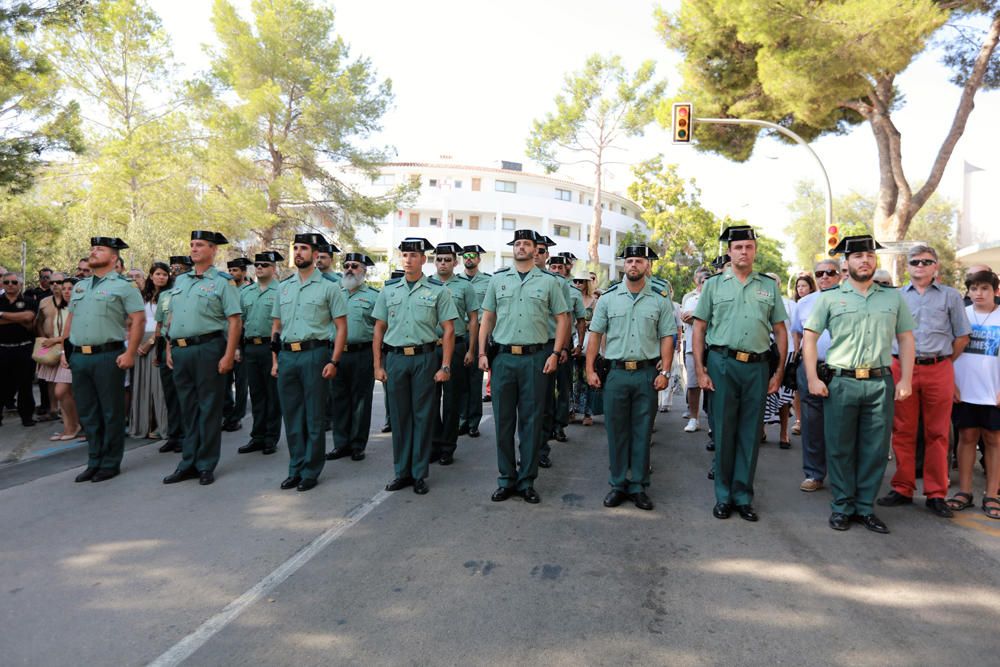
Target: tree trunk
[(595, 227)]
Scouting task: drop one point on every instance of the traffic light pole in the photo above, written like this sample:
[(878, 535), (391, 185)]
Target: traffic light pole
[(791, 135)]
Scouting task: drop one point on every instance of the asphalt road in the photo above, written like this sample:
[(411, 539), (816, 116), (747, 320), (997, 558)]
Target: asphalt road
[(130, 571)]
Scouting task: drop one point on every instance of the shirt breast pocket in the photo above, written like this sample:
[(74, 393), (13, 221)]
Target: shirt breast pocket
[(723, 305), (647, 323), (504, 302), (315, 309), (286, 307)]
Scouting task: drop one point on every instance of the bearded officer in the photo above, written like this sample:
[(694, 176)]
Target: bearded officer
[(470, 401), (324, 261), (204, 328), (309, 313), (100, 304), (638, 326), (355, 381), (257, 301)]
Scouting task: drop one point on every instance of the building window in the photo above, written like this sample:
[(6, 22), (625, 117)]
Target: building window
[(561, 230), (384, 179), (435, 222), (506, 186), (476, 184), (605, 238), (473, 222), (433, 182), (414, 220), (458, 184), (509, 224), (564, 195), (459, 223)]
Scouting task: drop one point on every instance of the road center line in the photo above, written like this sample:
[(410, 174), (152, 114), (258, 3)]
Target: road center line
[(183, 649)]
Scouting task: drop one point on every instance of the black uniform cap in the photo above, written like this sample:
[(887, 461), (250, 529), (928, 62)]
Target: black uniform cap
[(558, 260), (312, 239), (448, 248), (359, 257), (474, 248), (526, 235), (271, 256), (112, 242), (638, 251), (328, 248), (238, 263), (211, 237), (738, 233), (546, 240), (568, 255), (184, 260), (397, 273), (861, 243), (721, 261), (415, 244)]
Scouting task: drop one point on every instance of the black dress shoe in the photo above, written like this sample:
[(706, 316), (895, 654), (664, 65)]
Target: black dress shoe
[(939, 507), (28, 422), (168, 446), (642, 501), (338, 453), (387, 428), (291, 482), (232, 426), (531, 496), (872, 523), (104, 474), (447, 460), (268, 450), (722, 510), (463, 429), (206, 478), (544, 462), (306, 484), (358, 456), (398, 483), (473, 432), (839, 521), (710, 446), (420, 487), (614, 498), (501, 494), (746, 512), (560, 435), (711, 473), (250, 447), (86, 475), (177, 447), (894, 499), (180, 476), (486, 398)]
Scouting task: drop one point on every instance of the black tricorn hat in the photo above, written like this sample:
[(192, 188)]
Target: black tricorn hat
[(546, 240), (861, 243), (638, 251), (397, 273), (270, 256), (184, 260), (448, 248), (311, 238), (738, 233), (721, 261), (238, 263), (568, 255), (474, 248), (558, 260), (359, 257), (112, 242), (328, 248), (526, 235), (211, 237), (415, 244)]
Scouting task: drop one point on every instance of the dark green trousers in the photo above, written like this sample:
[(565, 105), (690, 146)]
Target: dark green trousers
[(234, 407), (411, 402), (630, 402), (857, 425), (352, 395), (470, 398), (385, 400), (264, 402), (99, 390), (737, 411), (518, 389), (303, 393), (175, 423), (200, 391), (446, 406)]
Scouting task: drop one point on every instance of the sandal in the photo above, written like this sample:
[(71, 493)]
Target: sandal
[(797, 428), (993, 511), (784, 444), (960, 501)]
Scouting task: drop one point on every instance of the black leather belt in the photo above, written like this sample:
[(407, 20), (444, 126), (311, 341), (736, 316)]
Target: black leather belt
[(95, 349), (739, 355), (633, 365), (518, 350), (458, 339), (256, 340), (410, 350), (303, 345), (357, 347), (861, 373), (195, 340)]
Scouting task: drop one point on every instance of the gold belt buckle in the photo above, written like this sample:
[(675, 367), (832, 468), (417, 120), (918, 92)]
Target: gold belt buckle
[(631, 365), (862, 373), (440, 342), (257, 341), (295, 347), (182, 342), (516, 349), (409, 351), (86, 349), (743, 356)]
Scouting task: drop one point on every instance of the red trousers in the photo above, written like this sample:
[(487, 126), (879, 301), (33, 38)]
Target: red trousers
[(933, 389)]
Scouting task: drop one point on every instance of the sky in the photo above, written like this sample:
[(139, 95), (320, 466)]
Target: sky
[(469, 77)]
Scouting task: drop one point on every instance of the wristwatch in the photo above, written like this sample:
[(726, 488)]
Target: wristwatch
[(334, 362), (665, 374), (446, 369)]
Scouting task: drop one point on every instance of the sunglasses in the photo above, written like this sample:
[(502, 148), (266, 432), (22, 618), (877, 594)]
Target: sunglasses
[(542, 251), (470, 255), (351, 265), (11, 282), (923, 262), (445, 258), (829, 273), (261, 265)]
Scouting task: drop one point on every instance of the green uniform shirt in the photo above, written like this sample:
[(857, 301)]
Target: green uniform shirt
[(740, 316), (633, 324), (466, 301), (333, 276), (862, 327), (360, 321), (524, 308), (258, 304), (307, 309), (574, 303), (100, 307), (479, 283), (413, 314), (162, 314), (201, 304)]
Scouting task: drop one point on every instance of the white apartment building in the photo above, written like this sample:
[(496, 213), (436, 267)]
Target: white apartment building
[(484, 205)]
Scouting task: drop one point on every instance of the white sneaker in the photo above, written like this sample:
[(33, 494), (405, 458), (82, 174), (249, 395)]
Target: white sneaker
[(686, 415), (692, 426)]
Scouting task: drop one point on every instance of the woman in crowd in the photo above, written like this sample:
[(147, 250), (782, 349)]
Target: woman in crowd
[(52, 315), (804, 284), (976, 413), (148, 409), (582, 403)]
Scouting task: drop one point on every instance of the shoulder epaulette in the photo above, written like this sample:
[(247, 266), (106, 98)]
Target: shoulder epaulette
[(285, 280), (488, 275), (830, 288), (332, 278), (392, 281), (374, 289), (715, 275), (434, 281), (764, 275), (502, 269), (554, 275), (614, 284), (611, 288)]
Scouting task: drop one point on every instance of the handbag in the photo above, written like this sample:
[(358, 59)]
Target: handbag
[(48, 356)]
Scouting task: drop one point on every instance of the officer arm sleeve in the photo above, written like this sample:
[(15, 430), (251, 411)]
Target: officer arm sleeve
[(820, 316), (446, 309), (904, 322), (158, 314), (704, 308), (132, 300), (666, 324), (796, 320), (490, 298), (599, 322), (778, 313), (557, 300), (579, 312), (231, 301), (380, 311), (276, 307), (338, 304), (956, 312), (471, 300)]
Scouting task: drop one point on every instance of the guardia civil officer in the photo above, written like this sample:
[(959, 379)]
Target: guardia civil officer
[(257, 301), (324, 264), (309, 314), (445, 439), (387, 427), (180, 264), (638, 326), (234, 406), (203, 332), (518, 305), (407, 314), (737, 311), (355, 380), (470, 402), (99, 307), (543, 252), (175, 421), (563, 384), (863, 319)]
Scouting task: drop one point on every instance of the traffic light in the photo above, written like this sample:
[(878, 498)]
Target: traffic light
[(832, 238), (683, 117)]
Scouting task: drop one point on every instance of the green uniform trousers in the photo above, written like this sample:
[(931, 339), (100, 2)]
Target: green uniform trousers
[(857, 425), (470, 398), (303, 393), (175, 423), (549, 407), (411, 402), (264, 402), (234, 407), (518, 389), (737, 411), (99, 390), (630, 403), (352, 394), (385, 400), (200, 391), (446, 395)]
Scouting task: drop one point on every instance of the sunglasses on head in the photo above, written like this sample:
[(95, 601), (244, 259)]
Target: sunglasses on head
[(351, 265), (922, 262), (830, 273)]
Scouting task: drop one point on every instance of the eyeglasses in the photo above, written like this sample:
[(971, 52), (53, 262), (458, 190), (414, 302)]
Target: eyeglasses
[(261, 265), (923, 262), (829, 273), (470, 255), (351, 265)]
